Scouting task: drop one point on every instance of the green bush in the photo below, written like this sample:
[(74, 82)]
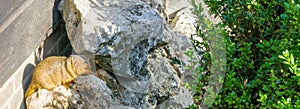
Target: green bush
[(263, 53)]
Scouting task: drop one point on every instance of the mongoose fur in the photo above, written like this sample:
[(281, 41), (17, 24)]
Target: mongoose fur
[(55, 71)]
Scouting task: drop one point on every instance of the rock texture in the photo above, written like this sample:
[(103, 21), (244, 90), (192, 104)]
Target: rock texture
[(44, 99), (177, 14), (177, 101), (91, 92), (143, 59)]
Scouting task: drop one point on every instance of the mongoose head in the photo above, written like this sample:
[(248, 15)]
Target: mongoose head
[(79, 66)]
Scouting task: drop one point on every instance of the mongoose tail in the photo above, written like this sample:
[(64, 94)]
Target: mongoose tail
[(31, 89)]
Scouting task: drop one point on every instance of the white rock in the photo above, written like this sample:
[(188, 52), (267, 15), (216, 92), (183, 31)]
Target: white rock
[(44, 99)]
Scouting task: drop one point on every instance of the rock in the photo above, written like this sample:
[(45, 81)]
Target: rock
[(110, 81), (91, 92), (121, 107), (179, 101), (44, 99), (121, 40), (177, 13), (131, 41), (155, 4)]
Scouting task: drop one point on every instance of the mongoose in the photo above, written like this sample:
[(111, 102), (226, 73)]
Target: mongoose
[(55, 71)]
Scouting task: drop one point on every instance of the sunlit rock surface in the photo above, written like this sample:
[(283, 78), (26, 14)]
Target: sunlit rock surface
[(44, 99)]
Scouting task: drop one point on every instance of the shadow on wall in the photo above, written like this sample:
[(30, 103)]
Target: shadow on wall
[(26, 79)]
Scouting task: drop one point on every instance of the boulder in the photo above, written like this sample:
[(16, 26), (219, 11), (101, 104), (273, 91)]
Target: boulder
[(91, 92), (133, 43)]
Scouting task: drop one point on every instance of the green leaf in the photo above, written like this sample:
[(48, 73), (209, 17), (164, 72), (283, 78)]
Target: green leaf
[(292, 59), (287, 63), (296, 8), (286, 5), (280, 56)]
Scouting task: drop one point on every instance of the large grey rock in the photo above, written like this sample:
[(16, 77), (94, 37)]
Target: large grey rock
[(131, 41), (91, 92)]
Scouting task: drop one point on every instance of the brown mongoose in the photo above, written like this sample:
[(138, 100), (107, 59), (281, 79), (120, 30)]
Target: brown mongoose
[(55, 71)]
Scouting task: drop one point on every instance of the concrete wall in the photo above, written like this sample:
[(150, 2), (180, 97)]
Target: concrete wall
[(30, 30)]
